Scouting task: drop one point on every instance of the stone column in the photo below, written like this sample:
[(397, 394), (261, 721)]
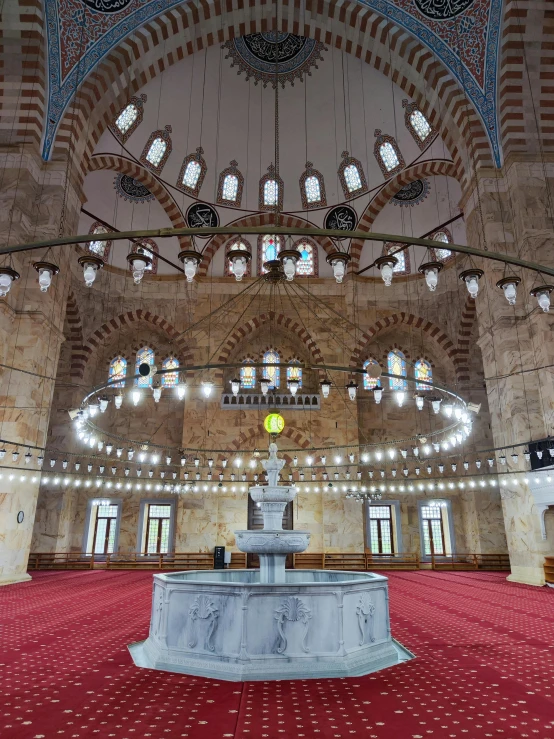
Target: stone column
[(511, 212), (31, 332)]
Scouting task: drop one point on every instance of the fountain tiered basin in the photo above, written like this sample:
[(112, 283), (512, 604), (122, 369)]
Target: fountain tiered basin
[(272, 623)]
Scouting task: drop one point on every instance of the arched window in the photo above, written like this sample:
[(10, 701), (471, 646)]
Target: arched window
[(387, 153), (445, 236), (99, 248), (192, 173), (307, 264), (248, 375), (171, 378), (271, 190), (402, 267), (423, 372), (370, 382), (273, 374), (157, 150), (231, 185), (144, 356), (138, 249), (294, 372), (129, 118), (237, 244), (351, 176), (268, 248), (396, 363), (417, 124), (312, 188), (118, 371)]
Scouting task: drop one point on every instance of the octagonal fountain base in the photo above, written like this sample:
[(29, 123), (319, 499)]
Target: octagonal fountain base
[(227, 625)]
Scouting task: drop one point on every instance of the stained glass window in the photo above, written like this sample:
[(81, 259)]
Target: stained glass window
[(118, 371), (352, 178), (442, 253), (99, 248), (294, 373), (127, 117), (273, 374), (248, 376), (230, 187), (424, 372), (144, 356), (380, 529), (171, 378), (271, 192), (313, 189), (370, 382), (389, 156), (396, 363), (306, 264), (269, 249), (192, 173), (420, 124), (401, 265), (156, 151), (157, 529)]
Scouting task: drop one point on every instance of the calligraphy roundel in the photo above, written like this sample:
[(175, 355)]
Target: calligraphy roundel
[(130, 189), (107, 6), (202, 215), (441, 10), (341, 218), (412, 194)]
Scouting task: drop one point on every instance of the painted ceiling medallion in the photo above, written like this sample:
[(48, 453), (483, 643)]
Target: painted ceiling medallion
[(131, 189), (442, 9), (107, 6), (412, 194), (255, 55)]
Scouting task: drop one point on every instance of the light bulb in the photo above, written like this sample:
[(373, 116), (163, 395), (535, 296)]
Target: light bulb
[(207, 388), (325, 388), (400, 397), (77, 466), (338, 270), (235, 386), (190, 266), (103, 404), (377, 394), (378, 455), (157, 393), (118, 401), (238, 267), (448, 410), (432, 278), (136, 395), (119, 451), (352, 390), (181, 390), (89, 273)]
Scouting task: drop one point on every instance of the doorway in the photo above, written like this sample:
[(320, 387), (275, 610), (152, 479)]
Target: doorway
[(256, 522)]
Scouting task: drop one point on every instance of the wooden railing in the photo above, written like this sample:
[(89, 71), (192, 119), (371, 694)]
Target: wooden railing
[(306, 561), (549, 570)]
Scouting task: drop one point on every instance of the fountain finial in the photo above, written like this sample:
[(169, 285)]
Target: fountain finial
[(273, 465)]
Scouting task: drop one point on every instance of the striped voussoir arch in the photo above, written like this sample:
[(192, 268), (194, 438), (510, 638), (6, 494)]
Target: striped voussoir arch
[(347, 25), (126, 166), (248, 437), (427, 168), (436, 333), (279, 320), (258, 219), (101, 334)]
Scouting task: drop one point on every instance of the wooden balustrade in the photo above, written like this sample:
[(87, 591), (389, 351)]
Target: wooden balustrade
[(549, 570), (353, 561)]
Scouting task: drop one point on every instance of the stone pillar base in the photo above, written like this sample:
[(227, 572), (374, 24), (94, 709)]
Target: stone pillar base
[(17, 578), (527, 575)]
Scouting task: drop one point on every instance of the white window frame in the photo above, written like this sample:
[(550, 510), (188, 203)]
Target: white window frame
[(449, 538), (88, 534), (141, 533), (396, 519)]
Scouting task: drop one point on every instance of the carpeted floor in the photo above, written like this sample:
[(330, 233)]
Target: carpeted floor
[(484, 668)]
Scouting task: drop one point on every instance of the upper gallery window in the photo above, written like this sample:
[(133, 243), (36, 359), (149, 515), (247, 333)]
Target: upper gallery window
[(351, 176), (231, 185), (248, 375), (144, 356), (445, 236), (294, 372), (307, 264), (388, 154), (192, 172), (268, 249), (157, 150), (139, 249), (396, 363), (99, 248), (272, 373), (312, 188), (423, 372), (237, 244), (370, 382), (271, 190), (118, 371), (402, 266), (129, 118), (171, 379), (417, 124)]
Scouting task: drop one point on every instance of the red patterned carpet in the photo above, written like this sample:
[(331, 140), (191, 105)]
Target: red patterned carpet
[(484, 668)]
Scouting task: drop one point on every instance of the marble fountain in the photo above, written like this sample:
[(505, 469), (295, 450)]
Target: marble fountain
[(273, 623)]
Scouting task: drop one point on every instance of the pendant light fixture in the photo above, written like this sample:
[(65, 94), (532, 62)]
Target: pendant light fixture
[(386, 265), (294, 384), (542, 294), (431, 271), (377, 394), (90, 265), (352, 390), (471, 278), (191, 260), (289, 259), (139, 263), (339, 261), (46, 272), (509, 285), (235, 386), (325, 388), (7, 277), (239, 258), (264, 385)]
